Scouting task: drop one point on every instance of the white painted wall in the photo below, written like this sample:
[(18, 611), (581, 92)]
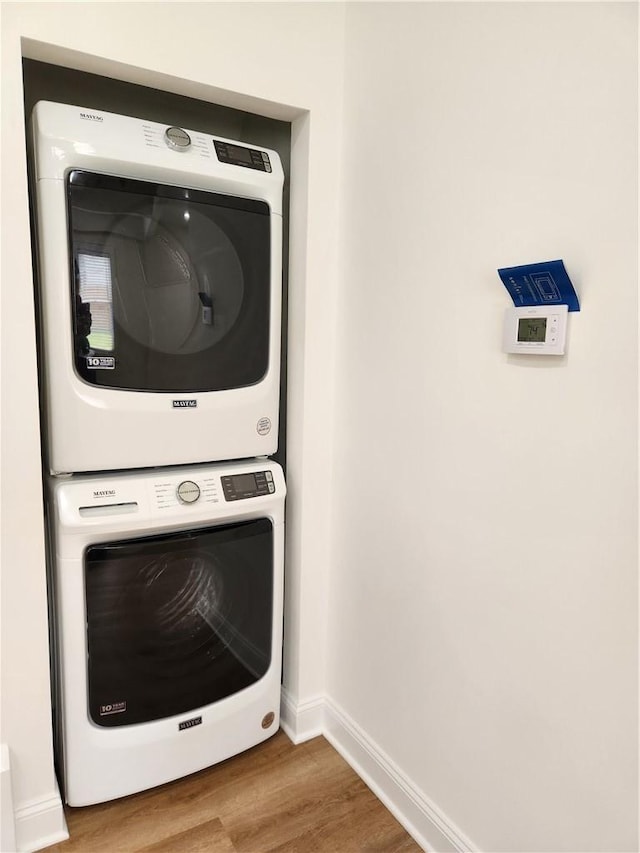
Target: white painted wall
[(279, 60), (483, 610)]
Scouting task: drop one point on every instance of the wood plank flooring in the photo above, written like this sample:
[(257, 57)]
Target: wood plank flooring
[(274, 798)]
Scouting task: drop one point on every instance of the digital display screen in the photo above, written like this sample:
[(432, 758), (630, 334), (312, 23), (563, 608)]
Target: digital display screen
[(241, 154), (238, 155), (532, 330), (245, 483)]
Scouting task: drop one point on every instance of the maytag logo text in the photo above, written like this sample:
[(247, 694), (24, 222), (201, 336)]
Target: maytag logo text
[(189, 724)]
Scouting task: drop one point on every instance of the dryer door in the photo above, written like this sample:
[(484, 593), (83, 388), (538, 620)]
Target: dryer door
[(178, 621), (171, 287)]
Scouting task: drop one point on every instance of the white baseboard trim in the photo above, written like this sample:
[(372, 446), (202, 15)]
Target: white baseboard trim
[(419, 815), (40, 823), (304, 720)]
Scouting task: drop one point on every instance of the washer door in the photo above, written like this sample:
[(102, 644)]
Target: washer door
[(178, 621), (170, 287)]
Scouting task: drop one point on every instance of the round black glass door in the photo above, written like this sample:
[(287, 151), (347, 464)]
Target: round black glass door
[(178, 621), (170, 286)]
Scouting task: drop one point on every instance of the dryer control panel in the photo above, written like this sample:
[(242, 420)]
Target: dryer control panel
[(238, 155)]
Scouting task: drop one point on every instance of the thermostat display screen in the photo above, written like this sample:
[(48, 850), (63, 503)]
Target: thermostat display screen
[(532, 329)]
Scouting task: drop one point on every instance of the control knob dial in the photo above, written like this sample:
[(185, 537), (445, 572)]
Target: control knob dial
[(177, 138), (188, 492)]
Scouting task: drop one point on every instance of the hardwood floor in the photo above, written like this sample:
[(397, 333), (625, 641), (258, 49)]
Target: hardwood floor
[(274, 798)]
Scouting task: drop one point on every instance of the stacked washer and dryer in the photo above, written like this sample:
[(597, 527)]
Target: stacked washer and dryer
[(160, 275)]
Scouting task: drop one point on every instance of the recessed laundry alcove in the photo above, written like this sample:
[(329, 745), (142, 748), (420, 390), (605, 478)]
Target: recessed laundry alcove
[(188, 68)]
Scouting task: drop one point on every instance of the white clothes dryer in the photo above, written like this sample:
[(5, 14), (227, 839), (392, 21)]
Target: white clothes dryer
[(160, 279), (166, 591)]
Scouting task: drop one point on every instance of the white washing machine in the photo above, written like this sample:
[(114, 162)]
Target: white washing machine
[(160, 283), (167, 622)]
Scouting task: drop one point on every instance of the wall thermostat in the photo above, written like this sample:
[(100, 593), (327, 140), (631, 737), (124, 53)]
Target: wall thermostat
[(535, 330)]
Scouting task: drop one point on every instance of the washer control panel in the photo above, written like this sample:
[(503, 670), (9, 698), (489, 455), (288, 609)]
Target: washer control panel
[(238, 155), (237, 487), (146, 500)]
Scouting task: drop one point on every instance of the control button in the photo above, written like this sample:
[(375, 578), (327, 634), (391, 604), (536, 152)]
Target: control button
[(268, 476), (272, 488), (188, 492), (177, 138)]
